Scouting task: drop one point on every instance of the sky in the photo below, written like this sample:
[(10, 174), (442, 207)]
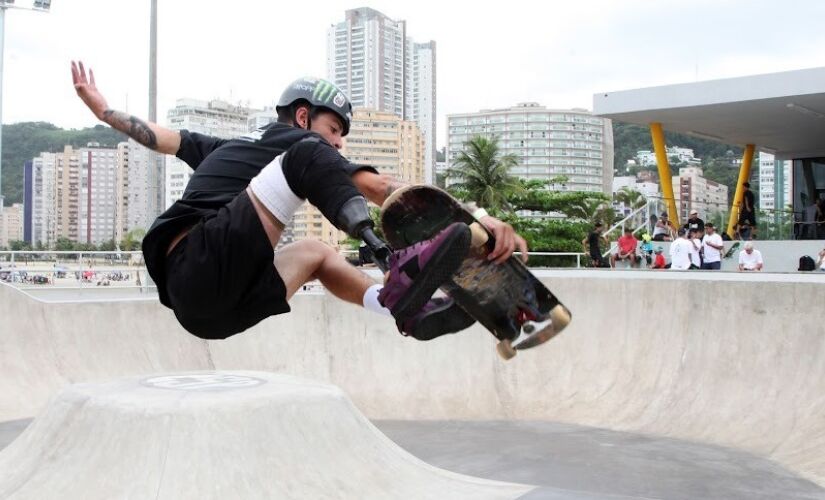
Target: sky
[(489, 54)]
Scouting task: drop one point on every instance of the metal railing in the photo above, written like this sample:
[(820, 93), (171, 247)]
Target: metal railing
[(74, 269)]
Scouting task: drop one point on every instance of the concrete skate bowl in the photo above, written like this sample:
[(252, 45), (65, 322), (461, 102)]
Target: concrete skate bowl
[(734, 360)]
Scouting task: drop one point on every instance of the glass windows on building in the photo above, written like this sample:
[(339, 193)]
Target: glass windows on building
[(808, 192)]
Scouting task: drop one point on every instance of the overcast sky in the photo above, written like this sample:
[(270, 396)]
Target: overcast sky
[(489, 54)]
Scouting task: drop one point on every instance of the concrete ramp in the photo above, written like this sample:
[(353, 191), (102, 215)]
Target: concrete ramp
[(218, 435)]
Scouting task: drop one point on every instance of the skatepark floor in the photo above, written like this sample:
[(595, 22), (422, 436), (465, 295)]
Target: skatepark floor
[(582, 463)]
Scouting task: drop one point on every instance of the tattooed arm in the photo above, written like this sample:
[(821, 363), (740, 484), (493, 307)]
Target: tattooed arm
[(149, 134), (376, 187)]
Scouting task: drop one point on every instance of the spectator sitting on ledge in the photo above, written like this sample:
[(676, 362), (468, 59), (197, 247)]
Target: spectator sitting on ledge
[(750, 259)]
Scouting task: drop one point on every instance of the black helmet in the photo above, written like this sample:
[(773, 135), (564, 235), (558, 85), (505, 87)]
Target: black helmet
[(321, 93)]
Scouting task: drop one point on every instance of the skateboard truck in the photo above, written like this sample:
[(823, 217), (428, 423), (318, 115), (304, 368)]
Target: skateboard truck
[(535, 333)]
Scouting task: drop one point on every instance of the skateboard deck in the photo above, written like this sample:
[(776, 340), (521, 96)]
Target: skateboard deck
[(507, 298)]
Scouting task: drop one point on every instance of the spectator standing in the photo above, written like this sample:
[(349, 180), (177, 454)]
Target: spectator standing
[(680, 252), (820, 262), (694, 223), (695, 248), (750, 259), (747, 214), (592, 245), (625, 248), (664, 229), (712, 246)]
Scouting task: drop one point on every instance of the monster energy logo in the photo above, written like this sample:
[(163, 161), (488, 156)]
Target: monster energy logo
[(324, 91)]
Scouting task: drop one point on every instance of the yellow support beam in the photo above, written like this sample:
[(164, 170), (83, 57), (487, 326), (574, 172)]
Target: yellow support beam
[(744, 175), (665, 177)]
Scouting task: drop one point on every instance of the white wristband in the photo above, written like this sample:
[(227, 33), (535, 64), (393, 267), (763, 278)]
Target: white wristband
[(478, 214)]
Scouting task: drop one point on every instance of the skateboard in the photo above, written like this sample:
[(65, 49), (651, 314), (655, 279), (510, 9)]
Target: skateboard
[(732, 249), (507, 299)]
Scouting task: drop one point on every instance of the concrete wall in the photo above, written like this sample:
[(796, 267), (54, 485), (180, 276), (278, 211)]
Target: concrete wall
[(731, 359)]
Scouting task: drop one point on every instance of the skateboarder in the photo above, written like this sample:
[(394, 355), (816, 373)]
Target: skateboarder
[(211, 253)]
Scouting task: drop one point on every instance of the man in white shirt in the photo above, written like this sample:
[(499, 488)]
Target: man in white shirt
[(695, 246), (680, 251), (712, 247), (750, 259)]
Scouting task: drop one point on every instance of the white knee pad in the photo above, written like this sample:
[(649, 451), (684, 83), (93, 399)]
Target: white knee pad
[(271, 188)]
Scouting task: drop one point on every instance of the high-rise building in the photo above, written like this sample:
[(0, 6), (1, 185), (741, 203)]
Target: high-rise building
[(145, 185), (11, 224), (67, 193), (371, 59), (547, 143), (774, 183), (122, 192), (697, 193), (77, 194), (379, 139), (97, 195), (214, 118), (420, 98), (40, 200), (262, 118)]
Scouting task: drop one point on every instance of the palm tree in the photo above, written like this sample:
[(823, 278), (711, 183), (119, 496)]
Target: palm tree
[(482, 174), (631, 198), (591, 210)]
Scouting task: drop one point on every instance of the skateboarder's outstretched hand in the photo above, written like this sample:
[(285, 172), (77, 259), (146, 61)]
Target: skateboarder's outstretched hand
[(87, 91), (506, 240)]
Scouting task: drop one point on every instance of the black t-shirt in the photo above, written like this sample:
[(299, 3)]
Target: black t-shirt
[(593, 242), (748, 202), (696, 223), (223, 169)]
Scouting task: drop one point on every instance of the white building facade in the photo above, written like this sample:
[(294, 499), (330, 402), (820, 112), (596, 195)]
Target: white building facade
[(547, 143), (647, 158), (43, 200), (775, 181), (370, 58), (145, 185), (98, 201), (214, 118)]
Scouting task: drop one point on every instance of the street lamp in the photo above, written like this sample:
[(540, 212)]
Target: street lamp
[(37, 6)]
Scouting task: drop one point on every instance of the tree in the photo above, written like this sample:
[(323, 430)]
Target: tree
[(64, 244), (19, 245), (630, 198), (107, 246), (591, 209), (131, 240), (482, 174)]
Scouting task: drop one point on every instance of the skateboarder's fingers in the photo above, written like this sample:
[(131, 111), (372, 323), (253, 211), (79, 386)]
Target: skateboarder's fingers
[(521, 243), (505, 244)]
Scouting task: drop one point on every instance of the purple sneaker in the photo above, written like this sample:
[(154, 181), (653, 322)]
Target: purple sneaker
[(417, 271), (439, 316)]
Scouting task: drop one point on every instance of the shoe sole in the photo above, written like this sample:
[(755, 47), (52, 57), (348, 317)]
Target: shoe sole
[(450, 319), (438, 270)]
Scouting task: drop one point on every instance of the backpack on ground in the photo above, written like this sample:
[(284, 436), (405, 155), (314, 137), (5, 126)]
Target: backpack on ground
[(806, 263)]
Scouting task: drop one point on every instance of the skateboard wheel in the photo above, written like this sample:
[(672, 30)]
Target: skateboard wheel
[(505, 349), (529, 328), (560, 317)]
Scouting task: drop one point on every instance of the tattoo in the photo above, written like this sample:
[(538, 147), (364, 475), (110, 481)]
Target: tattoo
[(132, 126)]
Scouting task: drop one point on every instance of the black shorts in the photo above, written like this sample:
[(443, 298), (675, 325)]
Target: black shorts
[(221, 278), (747, 217)]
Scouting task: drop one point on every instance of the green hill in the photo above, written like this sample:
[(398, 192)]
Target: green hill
[(24, 141), (717, 158)]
